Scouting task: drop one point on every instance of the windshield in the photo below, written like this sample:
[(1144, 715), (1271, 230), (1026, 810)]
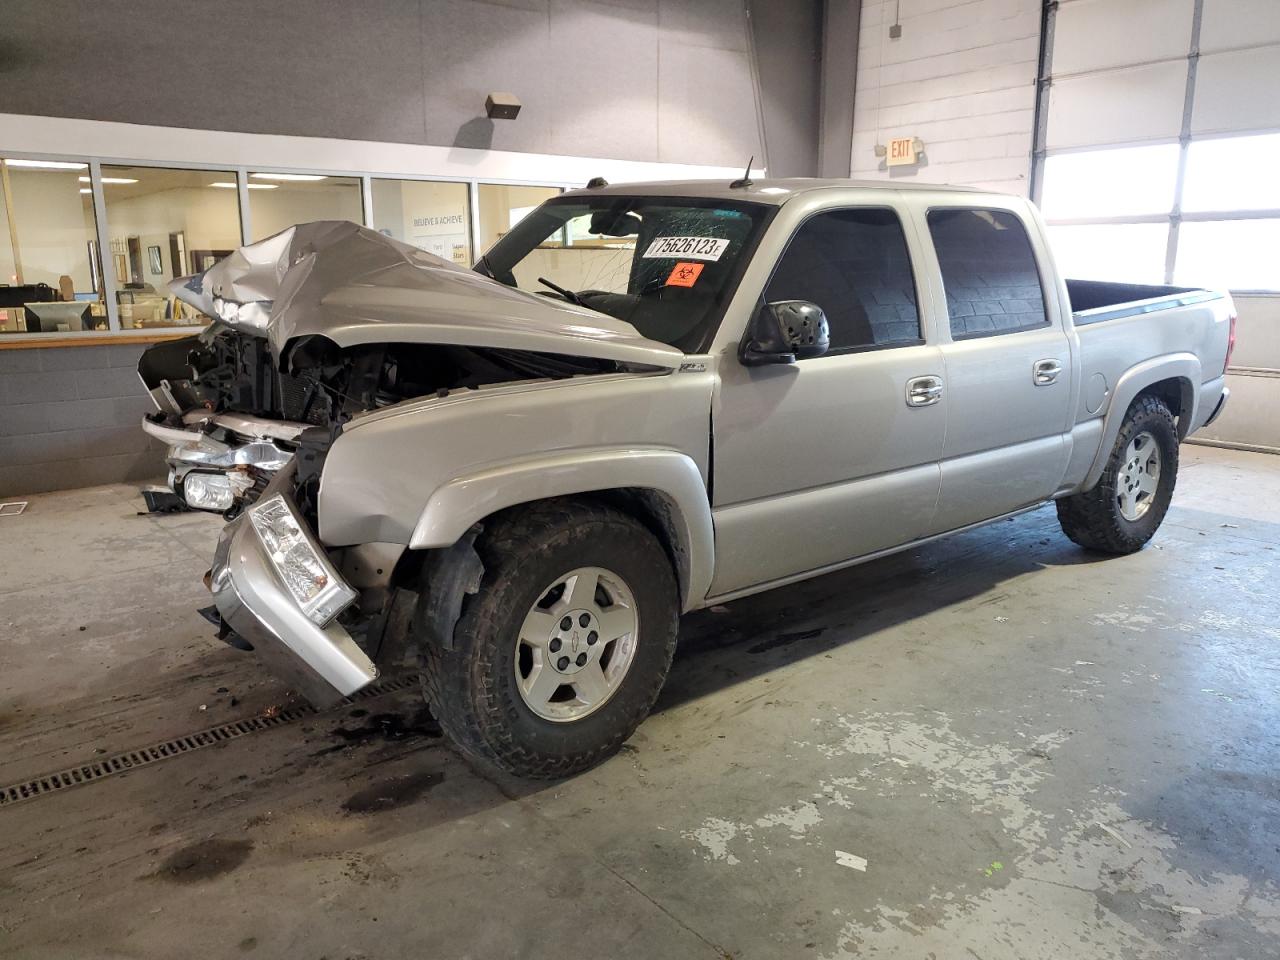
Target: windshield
[(665, 265)]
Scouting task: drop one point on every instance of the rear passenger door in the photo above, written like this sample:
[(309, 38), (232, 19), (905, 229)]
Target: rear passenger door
[(829, 458), (1007, 367)]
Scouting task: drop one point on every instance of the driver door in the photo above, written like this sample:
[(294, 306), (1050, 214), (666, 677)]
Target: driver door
[(833, 457)]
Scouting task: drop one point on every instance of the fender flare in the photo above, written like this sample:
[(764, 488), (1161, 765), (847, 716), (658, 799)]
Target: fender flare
[(1174, 366), (456, 506)]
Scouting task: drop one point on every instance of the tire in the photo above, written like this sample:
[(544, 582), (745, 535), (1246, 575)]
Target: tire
[(475, 689), (1096, 518)]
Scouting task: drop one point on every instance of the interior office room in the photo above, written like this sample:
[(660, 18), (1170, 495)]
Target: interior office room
[(697, 478)]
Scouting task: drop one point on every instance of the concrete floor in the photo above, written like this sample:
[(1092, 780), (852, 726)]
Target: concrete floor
[(996, 746)]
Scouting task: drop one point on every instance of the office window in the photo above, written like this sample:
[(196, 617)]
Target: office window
[(164, 223), (1229, 254), (854, 265), (50, 273), (1233, 173), (1124, 252), (988, 272), (1110, 183), (279, 200), (502, 207), (432, 216)]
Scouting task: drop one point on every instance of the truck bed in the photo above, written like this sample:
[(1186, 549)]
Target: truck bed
[(1093, 301)]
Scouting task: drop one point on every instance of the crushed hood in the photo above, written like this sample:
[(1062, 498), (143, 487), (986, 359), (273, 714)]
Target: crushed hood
[(353, 285)]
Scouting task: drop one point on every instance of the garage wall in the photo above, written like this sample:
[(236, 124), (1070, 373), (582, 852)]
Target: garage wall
[(1156, 163), (653, 80), (961, 78)]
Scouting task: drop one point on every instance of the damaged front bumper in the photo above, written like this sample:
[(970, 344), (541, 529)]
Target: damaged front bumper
[(323, 663)]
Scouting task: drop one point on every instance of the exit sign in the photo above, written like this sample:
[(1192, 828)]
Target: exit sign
[(902, 151)]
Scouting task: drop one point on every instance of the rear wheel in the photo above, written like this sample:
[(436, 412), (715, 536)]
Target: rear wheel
[(1124, 509), (562, 652)]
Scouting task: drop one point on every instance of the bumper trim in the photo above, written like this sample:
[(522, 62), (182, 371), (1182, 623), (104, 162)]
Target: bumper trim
[(1222, 404), (324, 664)]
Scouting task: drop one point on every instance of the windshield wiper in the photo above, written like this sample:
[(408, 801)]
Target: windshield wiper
[(567, 294)]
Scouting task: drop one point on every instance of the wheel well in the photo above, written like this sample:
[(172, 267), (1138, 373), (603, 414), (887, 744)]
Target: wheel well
[(1176, 394)]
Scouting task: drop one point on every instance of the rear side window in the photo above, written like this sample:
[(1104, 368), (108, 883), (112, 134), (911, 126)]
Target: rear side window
[(854, 265), (988, 272)]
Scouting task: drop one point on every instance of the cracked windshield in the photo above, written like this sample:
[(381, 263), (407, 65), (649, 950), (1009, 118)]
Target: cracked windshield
[(666, 266)]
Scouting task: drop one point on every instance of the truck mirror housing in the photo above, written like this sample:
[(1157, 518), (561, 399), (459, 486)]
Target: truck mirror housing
[(785, 331)]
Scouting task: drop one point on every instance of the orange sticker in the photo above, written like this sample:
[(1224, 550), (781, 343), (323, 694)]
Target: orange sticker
[(685, 274)]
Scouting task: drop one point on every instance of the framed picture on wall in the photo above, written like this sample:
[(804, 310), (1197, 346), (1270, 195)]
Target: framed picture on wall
[(154, 261)]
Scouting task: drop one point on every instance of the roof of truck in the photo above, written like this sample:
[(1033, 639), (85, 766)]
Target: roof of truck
[(765, 190)]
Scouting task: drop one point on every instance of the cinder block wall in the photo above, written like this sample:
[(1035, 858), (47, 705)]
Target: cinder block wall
[(69, 418)]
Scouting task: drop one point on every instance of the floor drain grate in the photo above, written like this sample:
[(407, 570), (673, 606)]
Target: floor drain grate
[(141, 757)]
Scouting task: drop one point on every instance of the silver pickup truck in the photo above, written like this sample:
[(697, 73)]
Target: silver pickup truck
[(644, 400)]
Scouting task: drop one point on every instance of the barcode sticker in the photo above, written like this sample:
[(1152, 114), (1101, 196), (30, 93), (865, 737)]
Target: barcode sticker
[(687, 248)]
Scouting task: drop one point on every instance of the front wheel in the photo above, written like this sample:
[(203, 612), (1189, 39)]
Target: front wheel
[(562, 652), (1124, 509)]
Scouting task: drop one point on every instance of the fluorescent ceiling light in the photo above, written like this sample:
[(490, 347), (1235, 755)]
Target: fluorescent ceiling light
[(85, 190), (112, 180), (226, 185), (300, 177), (47, 164)]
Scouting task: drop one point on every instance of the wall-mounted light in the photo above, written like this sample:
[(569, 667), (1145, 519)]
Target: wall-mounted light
[(501, 106)]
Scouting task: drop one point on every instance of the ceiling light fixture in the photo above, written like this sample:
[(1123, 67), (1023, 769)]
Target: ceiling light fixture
[(85, 190), (226, 185), (47, 164), (111, 180), (299, 177)]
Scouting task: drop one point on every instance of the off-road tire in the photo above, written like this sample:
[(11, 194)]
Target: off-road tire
[(472, 688), (1093, 518)]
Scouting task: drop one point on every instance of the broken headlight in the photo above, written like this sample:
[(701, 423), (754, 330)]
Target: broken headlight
[(305, 571)]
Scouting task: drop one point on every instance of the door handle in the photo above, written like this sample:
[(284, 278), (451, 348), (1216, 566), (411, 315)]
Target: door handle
[(1045, 372), (924, 391)]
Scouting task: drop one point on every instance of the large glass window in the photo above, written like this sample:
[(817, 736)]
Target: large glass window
[(50, 273), (988, 272), (502, 207), (1233, 173), (666, 266), (1123, 252), (1110, 183), (164, 223), (854, 265), (430, 215), (1229, 254), (279, 200)]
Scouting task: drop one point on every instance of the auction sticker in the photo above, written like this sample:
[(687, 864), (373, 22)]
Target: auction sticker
[(684, 275), (691, 248)]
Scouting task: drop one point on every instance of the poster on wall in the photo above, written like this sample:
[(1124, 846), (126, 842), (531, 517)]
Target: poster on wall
[(445, 235)]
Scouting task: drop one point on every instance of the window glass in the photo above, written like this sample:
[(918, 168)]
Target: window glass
[(665, 265), (1110, 183), (1234, 173), (854, 265), (1124, 252), (50, 273), (164, 223), (502, 207), (1229, 254), (431, 216), (279, 200), (988, 272)]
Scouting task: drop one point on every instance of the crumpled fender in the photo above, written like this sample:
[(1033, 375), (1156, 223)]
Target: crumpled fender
[(1180, 366), (454, 507)]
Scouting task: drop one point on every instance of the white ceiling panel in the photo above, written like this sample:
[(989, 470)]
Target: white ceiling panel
[(1118, 106), (1094, 34)]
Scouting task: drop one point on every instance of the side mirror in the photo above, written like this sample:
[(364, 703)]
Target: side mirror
[(785, 331)]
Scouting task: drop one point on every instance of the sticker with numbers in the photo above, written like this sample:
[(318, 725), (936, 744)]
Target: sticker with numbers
[(688, 248)]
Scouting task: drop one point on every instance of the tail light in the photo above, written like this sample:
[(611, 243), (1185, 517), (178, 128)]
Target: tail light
[(1231, 343)]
